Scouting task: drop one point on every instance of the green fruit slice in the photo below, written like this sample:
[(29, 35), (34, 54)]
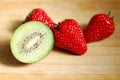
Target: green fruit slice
[(31, 42)]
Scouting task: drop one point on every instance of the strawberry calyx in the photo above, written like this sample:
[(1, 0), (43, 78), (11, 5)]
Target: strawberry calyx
[(109, 14)]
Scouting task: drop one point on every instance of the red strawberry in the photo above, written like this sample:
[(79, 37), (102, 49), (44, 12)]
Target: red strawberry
[(39, 14), (100, 26), (69, 36)]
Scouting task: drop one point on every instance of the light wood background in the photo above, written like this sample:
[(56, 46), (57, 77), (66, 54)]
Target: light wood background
[(101, 61)]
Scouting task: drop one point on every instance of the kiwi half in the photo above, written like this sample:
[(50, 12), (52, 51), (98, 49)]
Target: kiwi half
[(31, 42)]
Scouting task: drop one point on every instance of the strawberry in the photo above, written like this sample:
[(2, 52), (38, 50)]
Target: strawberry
[(39, 14), (69, 36), (100, 27)]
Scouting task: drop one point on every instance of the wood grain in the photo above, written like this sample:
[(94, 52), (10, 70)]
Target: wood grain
[(101, 61)]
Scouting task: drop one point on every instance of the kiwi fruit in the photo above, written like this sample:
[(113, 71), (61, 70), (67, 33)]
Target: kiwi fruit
[(31, 42)]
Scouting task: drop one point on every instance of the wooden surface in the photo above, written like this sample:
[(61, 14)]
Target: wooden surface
[(101, 62)]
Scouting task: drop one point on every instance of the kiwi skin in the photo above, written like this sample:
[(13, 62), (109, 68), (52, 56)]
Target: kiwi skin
[(18, 29)]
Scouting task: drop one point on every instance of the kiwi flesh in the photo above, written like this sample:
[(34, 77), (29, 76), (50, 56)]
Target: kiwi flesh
[(31, 42)]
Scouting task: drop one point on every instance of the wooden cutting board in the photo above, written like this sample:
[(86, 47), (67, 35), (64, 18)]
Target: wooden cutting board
[(101, 61)]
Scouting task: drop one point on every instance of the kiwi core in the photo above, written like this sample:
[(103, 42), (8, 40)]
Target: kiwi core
[(32, 42)]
